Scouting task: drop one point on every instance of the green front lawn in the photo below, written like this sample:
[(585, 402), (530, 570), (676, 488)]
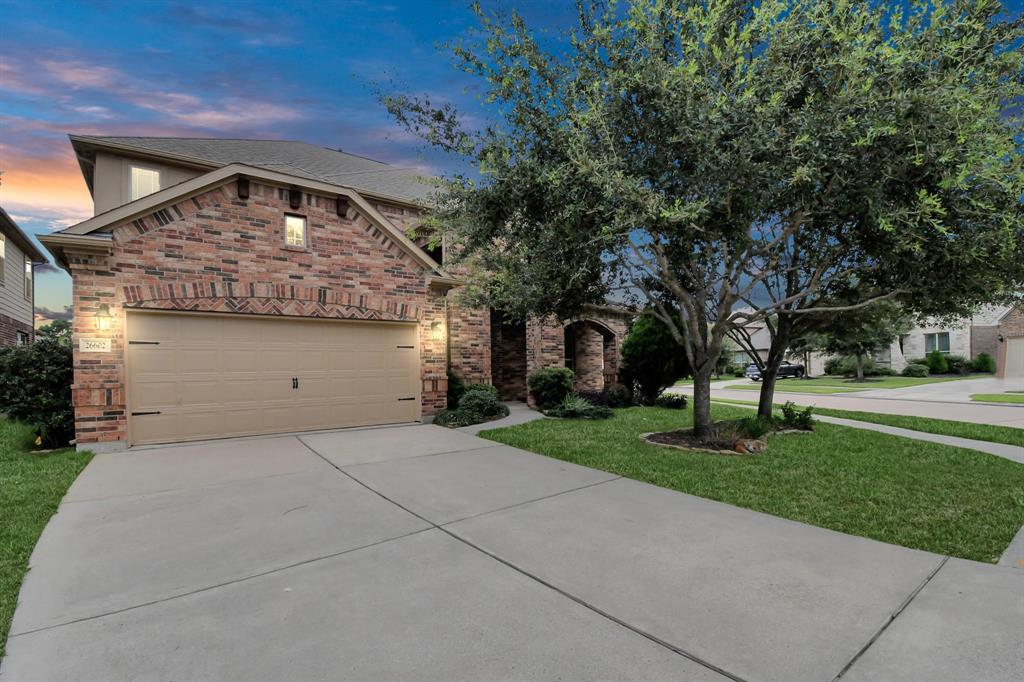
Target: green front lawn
[(800, 386), (31, 487), (1011, 397), (912, 493), (881, 382), (944, 427)]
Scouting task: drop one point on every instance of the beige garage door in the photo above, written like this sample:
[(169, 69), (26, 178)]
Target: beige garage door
[(1014, 358), (193, 376)]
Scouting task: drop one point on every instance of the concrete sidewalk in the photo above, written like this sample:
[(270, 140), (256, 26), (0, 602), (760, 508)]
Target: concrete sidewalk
[(418, 552)]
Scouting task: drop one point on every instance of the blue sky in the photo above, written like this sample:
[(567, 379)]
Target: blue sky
[(285, 70), (281, 70)]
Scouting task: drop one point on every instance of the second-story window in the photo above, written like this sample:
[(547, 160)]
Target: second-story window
[(144, 181), (3, 256), (295, 230)]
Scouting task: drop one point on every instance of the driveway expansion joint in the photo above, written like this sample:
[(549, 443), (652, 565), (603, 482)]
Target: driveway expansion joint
[(522, 571), (892, 618)]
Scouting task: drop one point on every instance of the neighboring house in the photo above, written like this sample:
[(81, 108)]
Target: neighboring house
[(760, 340), (18, 258), (239, 287), (992, 330)]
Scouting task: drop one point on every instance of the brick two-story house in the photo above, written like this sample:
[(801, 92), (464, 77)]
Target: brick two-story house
[(18, 258), (240, 287)]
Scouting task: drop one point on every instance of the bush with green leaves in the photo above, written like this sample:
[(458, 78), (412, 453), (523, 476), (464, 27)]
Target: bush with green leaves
[(984, 363), (958, 364), (795, 418), (937, 363), (915, 370), (652, 359), (35, 384), (739, 371), (755, 427), (615, 395), (834, 366), (575, 406), (481, 388), (671, 401), (549, 386)]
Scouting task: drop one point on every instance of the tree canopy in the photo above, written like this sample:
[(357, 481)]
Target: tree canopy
[(740, 162)]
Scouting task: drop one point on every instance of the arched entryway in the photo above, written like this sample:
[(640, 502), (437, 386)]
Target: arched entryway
[(591, 353)]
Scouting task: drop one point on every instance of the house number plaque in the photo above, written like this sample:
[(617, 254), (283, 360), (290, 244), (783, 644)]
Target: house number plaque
[(94, 345)]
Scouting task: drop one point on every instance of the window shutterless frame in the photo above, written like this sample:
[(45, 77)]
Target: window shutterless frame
[(295, 230), (3, 256), (143, 181), (28, 278)]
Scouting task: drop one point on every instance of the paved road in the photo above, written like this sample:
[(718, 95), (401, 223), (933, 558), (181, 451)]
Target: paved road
[(417, 552), (891, 401)]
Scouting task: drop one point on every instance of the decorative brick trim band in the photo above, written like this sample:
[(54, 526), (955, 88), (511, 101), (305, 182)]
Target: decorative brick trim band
[(268, 298)]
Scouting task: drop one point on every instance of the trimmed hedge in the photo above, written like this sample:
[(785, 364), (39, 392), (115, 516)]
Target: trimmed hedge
[(550, 386)]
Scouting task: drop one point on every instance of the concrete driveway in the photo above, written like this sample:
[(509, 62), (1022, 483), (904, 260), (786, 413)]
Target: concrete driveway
[(417, 552)]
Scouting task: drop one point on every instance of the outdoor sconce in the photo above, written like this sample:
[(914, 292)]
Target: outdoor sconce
[(103, 317), (437, 330), (1000, 337)]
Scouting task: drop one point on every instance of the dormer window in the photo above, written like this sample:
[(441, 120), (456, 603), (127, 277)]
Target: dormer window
[(295, 230), (145, 181)]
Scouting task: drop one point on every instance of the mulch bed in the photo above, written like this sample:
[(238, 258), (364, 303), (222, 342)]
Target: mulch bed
[(726, 441)]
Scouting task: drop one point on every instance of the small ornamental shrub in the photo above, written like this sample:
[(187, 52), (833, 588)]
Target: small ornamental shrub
[(958, 364), (671, 401), (795, 418), (35, 385), (834, 366), (456, 387), (915, 370), (450, 418), (755, 427), (739, 371), (549, 386), (984, 363), (616, 395), (577, 407), (482, 388), (937, 362), (480, 406)]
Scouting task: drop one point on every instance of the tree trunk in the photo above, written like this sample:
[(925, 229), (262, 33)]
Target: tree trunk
[(767, 397), (776, 354), (702, 428), (860, 367)]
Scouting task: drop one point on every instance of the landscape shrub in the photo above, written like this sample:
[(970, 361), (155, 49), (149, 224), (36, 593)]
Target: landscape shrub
[(795, 418), (847, 366), (615, 395), (936, 361), (575, 406), (480, 406), (456, 387), (652, 359), (739, 371), (958, 364), (755, 427), (550, 386), (35, 385), (984, 363), (915, 370), (481, 388), (834, 366), (672, 401)]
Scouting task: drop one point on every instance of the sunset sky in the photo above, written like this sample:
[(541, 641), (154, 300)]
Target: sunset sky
[(276, 70)]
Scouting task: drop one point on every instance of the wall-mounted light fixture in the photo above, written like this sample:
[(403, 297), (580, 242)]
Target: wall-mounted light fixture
[(1000, 337), (103, 317), (437, 330)]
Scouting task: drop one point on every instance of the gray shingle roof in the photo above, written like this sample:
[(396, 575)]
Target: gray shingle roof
[(295, 158)]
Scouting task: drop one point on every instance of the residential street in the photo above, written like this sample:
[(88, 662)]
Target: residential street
[(416, 552), (944, 400)]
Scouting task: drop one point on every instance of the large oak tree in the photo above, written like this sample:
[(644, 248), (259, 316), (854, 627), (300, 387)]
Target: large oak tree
[(739, 162)]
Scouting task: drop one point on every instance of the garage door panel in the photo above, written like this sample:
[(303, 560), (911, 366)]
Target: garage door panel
[(1014, 358), (217, 376)]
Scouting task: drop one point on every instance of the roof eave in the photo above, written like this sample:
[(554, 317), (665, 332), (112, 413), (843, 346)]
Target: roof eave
[(21, 238)]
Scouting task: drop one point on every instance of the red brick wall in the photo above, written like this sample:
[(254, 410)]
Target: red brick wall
[(217, 252), (508, 357), (1013, 323), (589, 366), (470, 334), (9, 328)]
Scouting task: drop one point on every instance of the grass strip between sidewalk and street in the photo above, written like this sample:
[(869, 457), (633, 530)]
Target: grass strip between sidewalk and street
[(31, 487), (1007, 435), (1011, 397)]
